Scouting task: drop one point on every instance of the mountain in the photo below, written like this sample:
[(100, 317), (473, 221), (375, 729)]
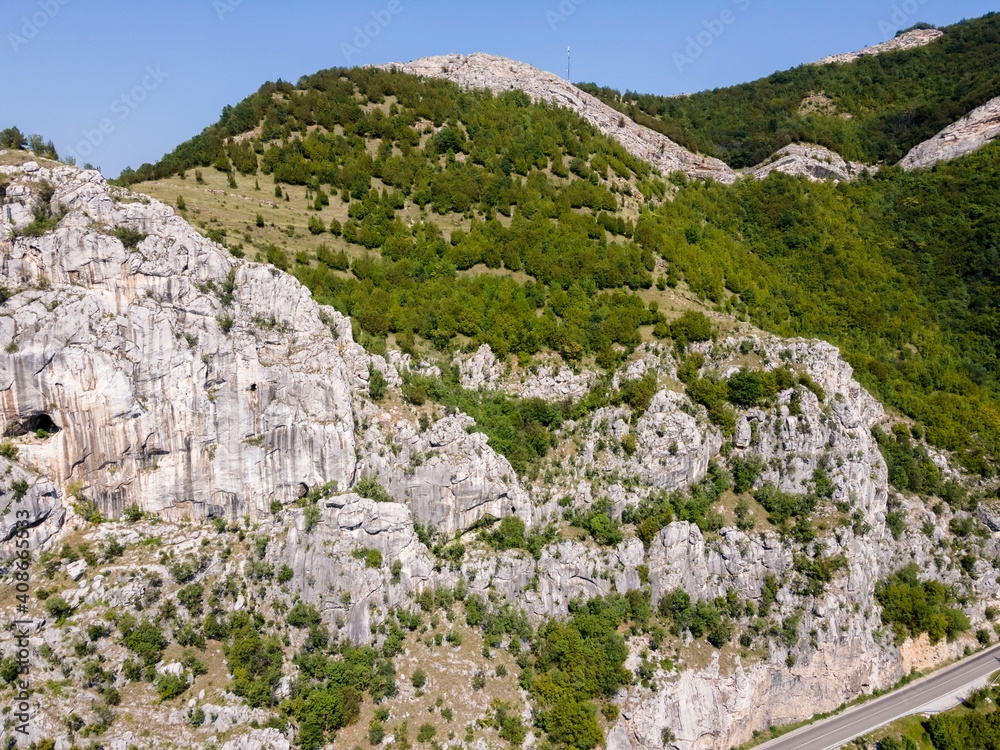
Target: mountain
[(394, 410), (604, 229), (499, 74), (902, 41), (874, 109), (234, 503)]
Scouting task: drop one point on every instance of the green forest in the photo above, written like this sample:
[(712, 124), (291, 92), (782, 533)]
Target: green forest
[(894, 100), (900, 270), (540, 187)]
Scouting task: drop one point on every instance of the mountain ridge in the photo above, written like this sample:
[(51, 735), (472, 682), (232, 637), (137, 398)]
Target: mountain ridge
[(481, 70)]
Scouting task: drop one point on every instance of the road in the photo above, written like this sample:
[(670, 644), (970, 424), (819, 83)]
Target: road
[(938, 691)]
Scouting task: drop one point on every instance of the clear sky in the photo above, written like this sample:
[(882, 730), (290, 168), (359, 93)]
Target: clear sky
[(121, 83)]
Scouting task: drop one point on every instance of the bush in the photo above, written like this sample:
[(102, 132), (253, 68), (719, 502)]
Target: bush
[(912, 606), (510, 534), (171, 686), (58, 608), (191, 597), (129, 237), (426, 732), (419, 678), (312, 516), (369, 486), (144, 640), (691, 327), (133, 513), (255, 664), (303, 616), (377, 385)]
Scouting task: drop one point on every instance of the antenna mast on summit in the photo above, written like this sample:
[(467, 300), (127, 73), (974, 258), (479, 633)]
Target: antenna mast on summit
[(567, 64)]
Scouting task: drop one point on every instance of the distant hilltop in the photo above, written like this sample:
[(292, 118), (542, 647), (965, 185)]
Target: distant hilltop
[(907, 40)]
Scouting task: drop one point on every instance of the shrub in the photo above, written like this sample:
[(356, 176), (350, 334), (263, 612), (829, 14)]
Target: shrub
[(191, 597), (303, 616), (426, 732), (133, 513), (691, 327), (369, 486), (129, 237), (170, 686), (58, 608), (419, 678), (377, 385), (912, 606), (312, 515), (144, 640)]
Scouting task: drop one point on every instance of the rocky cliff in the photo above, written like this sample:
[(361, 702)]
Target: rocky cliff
[(165, 373), (972, 132), (909, 40), (148, 367), (812, 162)]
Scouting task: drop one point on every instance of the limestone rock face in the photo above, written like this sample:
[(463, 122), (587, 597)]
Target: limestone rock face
[(342, 585), (502, 74), (29, 500), (259, 739), (162, 388), (972, 132), (449, 477), (816, 163), (480, 370), (909, 40)]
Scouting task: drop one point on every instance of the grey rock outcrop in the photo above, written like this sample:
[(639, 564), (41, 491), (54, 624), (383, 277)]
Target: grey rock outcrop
[(972, 132), (259, 739), (29, 500), (909, 40), (343, 586), (481, 370), (499, 74), (816, 163), (159, 392), (449, 477)]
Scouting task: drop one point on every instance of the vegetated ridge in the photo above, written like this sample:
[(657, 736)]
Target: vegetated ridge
[(884, 104)]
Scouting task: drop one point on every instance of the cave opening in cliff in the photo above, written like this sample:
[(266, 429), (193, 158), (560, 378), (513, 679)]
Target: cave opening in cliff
[(30, 424), (42, 421)]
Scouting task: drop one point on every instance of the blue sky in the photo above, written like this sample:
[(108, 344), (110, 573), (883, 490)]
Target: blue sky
[(121, 83)]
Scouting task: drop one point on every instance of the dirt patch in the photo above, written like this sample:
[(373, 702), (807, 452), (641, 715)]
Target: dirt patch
[(821, 104)]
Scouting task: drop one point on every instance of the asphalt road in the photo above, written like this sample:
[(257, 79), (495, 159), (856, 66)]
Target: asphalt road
[(937, 691)]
